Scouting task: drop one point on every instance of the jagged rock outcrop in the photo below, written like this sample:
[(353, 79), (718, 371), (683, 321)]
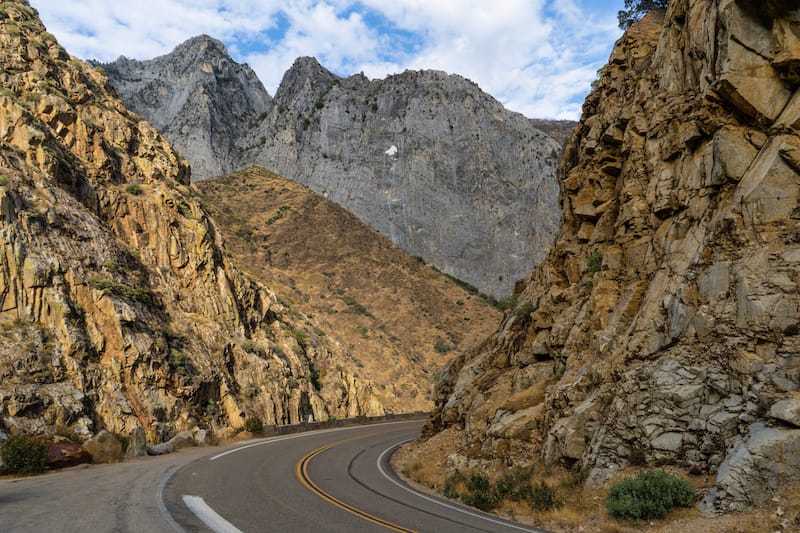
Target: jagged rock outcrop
[(663, 326), (426, 158), (198, 97), (118, 305)]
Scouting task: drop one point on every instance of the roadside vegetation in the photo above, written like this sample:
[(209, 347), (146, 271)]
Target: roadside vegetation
[(22, 454)]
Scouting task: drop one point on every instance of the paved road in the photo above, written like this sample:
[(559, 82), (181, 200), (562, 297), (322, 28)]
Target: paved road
[(327, 480), (321, 481)]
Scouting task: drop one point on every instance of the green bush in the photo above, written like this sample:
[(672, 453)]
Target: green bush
[(477, 490), (648, 495), (133, 188), (123, 290), (450, 489), (594, 263), (253, 424), (542, 497), (480, 492), (23, 455)]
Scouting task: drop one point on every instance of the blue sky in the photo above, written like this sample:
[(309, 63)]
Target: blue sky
[(537, 57)]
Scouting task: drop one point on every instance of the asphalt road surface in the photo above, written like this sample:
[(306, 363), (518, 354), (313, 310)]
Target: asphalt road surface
[(325, 480)]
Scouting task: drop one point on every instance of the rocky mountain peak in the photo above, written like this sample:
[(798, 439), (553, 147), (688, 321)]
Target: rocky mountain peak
[(424, 157), (198, 96), (203, 44), (303, 84)]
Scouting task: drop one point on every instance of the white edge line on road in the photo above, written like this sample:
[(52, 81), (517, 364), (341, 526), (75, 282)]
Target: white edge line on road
[(298, 435), (160, 498), (439, 502), (208, 515)]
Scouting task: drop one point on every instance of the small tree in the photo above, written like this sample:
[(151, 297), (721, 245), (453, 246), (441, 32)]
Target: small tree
[(22, 454), (635, 10)]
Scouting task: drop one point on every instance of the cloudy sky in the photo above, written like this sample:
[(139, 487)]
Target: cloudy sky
[(537, 57)]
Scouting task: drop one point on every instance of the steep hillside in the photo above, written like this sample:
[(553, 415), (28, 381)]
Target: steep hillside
[(198, 97), (662, 329), (426, 158), (399, 319), (118, 305)]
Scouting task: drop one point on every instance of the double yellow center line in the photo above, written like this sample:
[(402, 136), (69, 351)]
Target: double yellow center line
[(301, 472)]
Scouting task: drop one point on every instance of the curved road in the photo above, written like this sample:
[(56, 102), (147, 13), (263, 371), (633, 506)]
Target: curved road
[(325, 480)]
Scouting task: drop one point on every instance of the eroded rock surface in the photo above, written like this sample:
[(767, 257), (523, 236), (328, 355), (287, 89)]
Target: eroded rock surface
[(663, 326), (119, 308), (198, 97)]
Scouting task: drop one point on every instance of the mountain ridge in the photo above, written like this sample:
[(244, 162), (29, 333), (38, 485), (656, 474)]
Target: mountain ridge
[(463, 174)]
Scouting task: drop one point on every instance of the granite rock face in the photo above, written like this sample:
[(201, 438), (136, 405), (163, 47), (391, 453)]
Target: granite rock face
[(198, 97), (426, 158), (119, 307), (663, 326)]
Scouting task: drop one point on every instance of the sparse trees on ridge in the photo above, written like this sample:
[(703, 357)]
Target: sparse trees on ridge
[(636, 9)]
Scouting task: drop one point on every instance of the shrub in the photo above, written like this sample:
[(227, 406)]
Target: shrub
[(253, 424), (594, 263), (542, 497), (523, 313), (648, 495), (441, 346), (133, 188), (301, 337), (123, 290), (450, 489), (253, 347), (480, 492), (23, 455)]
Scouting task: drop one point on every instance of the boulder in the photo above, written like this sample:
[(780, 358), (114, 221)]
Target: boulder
[(183, 439), (787, 411), (104, 448), (137, 445), (62, 452), (160, 449), (201, 436), (756, 467)]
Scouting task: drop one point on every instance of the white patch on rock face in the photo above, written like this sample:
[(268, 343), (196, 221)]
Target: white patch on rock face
[(392, 151)]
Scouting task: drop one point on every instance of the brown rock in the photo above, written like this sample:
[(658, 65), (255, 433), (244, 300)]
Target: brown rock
[(62, 452), (104, 448)]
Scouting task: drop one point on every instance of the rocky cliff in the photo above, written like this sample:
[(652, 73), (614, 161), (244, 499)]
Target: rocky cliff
[(426, 158), (662, 329), (198, 97), (119, 307)]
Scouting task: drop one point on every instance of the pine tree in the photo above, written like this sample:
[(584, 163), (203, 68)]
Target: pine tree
[(636, 9)]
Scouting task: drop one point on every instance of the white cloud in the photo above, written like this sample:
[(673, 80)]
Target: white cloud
[(536, 56)]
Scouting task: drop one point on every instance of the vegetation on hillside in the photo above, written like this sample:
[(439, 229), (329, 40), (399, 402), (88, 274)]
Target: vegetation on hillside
[(636, 9)]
